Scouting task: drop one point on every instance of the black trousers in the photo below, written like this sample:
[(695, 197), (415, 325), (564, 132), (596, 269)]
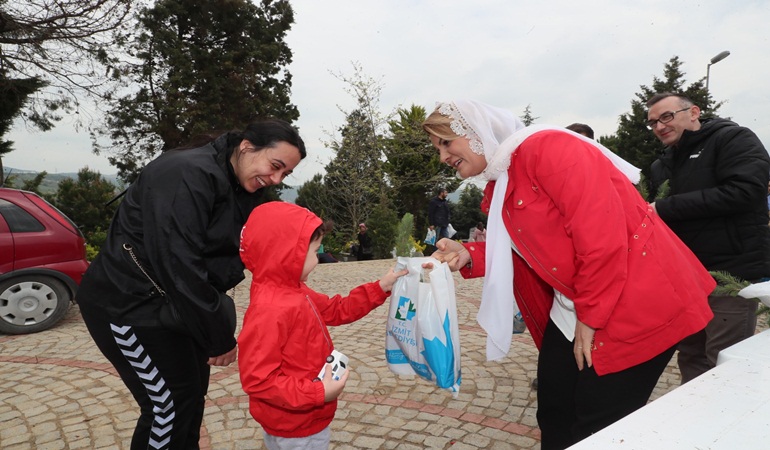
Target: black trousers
[(167, 374), (574, 404), (735, 319)]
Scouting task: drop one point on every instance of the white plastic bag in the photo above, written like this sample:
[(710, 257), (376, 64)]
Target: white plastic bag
[(450, 231), (423, 336), (760, 291), (430, 237)]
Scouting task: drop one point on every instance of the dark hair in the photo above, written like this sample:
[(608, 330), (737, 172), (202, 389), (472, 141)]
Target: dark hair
[(684, 100), (264, 133), (440, 190), (581, 128), (322, 230), (199, 140)]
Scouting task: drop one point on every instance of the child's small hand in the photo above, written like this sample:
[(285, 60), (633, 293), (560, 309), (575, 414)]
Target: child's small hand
[(389, 279), (333, 388)]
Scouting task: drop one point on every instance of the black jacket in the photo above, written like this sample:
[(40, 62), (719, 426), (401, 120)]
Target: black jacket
[(365, 249), (183, 217), (717, 202), (438, 212)]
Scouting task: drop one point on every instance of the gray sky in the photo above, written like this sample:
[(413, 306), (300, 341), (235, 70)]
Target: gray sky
[(571, 61)]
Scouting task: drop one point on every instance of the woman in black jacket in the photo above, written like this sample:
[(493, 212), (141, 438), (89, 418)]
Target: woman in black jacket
[(154, 299), (365, 250)]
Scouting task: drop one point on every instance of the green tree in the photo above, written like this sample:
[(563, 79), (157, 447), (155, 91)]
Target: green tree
[(527, 117), (65, 45), (382, 226), (354, 180), (467, 212), (413, 166), (198, 67), (9, 181), (633, 141), (33, 185), (405, 235), (273, 193), (85, 201), (313, 196), (14, 94)]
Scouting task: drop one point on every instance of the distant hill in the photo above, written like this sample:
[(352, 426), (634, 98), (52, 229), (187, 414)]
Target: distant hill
[(51, 181), (289, 194)]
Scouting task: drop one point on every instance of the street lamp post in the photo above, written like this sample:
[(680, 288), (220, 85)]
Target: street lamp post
[(714, 60)]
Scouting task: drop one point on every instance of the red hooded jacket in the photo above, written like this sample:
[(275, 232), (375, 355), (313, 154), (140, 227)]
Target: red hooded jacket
[(585, 231), (284, 341)]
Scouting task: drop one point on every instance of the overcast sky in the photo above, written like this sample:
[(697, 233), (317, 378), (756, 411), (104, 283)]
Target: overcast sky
[(571, 61)]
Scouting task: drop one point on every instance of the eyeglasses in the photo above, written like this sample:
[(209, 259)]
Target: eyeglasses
[(666, 117)]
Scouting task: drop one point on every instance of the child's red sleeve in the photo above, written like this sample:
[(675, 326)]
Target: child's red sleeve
[(339, 310)]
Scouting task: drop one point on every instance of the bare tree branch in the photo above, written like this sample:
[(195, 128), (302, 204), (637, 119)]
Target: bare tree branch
[(66, 43)]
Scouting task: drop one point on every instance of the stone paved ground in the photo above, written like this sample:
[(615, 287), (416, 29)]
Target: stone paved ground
[(58, 392)]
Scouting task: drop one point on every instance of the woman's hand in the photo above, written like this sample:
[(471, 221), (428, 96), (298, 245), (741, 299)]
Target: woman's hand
[(583, 345), (333, 388), (224, 360), (389, 279), (453, 253)]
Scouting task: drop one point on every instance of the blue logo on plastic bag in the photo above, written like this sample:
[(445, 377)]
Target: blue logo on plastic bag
[(406, 310)]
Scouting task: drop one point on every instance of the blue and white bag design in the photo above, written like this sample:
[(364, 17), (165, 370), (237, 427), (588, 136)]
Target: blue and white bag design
[(423, 336), (430, 237)]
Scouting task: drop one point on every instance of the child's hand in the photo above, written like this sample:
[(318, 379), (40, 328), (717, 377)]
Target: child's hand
[(389, 279), (333, 388)]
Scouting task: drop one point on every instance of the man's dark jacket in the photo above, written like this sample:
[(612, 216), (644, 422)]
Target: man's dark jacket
[(438, 212), (717, 202)]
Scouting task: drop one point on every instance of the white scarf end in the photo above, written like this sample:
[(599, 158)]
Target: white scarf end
[(496, 352)]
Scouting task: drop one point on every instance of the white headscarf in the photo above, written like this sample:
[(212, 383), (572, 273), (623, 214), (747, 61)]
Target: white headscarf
[(497, 133)]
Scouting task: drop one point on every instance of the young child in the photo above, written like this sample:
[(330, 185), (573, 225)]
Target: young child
[(284, 341)]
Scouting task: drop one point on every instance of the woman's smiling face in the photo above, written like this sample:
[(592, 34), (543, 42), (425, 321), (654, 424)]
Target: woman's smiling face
[(256, 169), (457, 154)]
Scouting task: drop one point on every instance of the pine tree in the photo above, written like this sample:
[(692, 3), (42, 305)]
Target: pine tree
[(527, 117), (633, 141), (14, 94), (199, 68), (467, 212), (354, 178), (413, 166)]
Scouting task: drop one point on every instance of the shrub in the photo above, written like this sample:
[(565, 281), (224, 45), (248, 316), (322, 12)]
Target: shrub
[(91, 252), (382, 225)]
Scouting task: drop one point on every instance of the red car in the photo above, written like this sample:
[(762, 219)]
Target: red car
[(42, 259)]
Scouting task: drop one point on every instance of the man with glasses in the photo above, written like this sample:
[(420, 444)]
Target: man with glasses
[(717, 174)]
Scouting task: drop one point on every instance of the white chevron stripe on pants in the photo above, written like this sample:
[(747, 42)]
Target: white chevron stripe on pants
[(163, 404)]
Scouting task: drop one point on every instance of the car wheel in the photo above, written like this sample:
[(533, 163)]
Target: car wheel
[(32, 303)]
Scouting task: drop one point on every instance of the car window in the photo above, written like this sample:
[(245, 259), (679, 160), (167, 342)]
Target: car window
[(19, 220)]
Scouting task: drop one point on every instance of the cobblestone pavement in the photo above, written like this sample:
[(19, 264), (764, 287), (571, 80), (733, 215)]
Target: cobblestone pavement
[(58, 392)]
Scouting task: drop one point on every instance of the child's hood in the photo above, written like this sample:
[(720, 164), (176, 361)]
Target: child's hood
[(275, 241)]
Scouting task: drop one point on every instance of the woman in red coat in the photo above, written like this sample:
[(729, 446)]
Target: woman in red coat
[(606, 289)]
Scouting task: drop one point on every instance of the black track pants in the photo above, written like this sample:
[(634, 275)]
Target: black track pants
[(168, 376)]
